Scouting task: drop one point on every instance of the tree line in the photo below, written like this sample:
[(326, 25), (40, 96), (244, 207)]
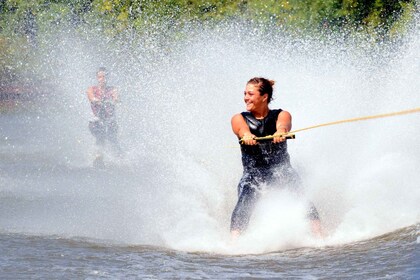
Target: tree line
[(23, 21)]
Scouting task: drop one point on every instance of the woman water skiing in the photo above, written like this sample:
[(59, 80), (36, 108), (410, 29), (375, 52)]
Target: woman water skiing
[(265, 162)]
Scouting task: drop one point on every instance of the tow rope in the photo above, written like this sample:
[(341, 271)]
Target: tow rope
[(291, 134)]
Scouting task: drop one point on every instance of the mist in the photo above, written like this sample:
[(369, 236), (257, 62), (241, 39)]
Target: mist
[(176, 185)]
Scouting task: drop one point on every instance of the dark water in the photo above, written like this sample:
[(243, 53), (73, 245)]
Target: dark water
[(391, 256)]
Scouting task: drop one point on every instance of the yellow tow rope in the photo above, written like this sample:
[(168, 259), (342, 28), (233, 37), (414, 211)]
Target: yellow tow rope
[(291, 134)]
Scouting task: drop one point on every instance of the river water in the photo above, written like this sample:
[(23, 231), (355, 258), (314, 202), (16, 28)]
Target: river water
[(162, 211), (391, 256)]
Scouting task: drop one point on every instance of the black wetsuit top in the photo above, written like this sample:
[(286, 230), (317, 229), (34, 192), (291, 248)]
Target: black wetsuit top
[(265, 162), (265, 154)]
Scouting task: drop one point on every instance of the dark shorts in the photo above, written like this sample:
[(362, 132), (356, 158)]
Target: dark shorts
[(249, 190), (104, 130)]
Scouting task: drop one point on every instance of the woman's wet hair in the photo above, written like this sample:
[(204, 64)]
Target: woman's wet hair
[(265, 86)]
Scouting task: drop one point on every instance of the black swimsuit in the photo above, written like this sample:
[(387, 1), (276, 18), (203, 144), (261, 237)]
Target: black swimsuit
[(265, 162), (266, 154)]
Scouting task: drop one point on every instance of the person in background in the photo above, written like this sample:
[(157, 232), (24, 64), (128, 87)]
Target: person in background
[(264, 162), (103, 99)]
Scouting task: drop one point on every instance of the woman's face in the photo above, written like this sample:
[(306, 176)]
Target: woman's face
[(253, 99)]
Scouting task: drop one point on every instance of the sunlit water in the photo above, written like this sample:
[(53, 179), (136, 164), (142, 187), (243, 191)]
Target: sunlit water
[(163, 211)]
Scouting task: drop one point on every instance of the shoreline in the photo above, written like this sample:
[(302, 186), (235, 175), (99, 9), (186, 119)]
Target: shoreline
[(13, 96), (15, 92)]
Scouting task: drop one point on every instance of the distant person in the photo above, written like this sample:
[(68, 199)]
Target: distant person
[(103, 99), (264, 162)]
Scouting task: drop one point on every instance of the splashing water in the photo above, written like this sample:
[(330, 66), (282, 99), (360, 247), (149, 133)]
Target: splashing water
[(176, 186)]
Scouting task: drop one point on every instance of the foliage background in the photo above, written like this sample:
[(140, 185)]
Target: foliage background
[(27, 25)]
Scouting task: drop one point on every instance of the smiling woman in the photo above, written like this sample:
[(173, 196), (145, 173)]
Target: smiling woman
[(264, 163)]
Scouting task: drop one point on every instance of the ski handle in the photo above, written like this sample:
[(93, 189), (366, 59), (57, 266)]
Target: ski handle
[(271, 137)]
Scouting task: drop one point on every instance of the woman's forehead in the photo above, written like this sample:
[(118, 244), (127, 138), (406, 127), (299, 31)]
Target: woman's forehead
[(251, 87)]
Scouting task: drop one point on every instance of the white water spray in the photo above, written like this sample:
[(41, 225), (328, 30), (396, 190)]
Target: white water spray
[(177, 185)]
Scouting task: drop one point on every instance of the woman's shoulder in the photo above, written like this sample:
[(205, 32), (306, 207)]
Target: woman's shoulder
[(237, 115), (275, 112), (279, 111)]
